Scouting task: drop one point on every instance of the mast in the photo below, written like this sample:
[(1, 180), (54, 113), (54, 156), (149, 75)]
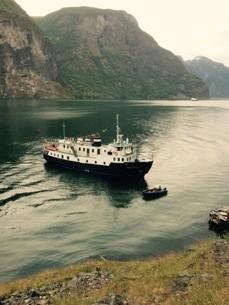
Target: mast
[(117, 128), (64, 127)]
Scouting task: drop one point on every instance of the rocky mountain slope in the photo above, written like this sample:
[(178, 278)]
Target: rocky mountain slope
[(27, 65), (11, 6), (104, 54), (214, 74)]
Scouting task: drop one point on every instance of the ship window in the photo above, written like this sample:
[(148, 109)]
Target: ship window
[(114, 159), (92, 150), (62, 156), (118, 159), (67, 146), (104, 150), (119, 148), (83, 149), (86, 161), (79, 148), (104, 163), (78, 160), (64, 146), (95, 162), (122, 159), (98, 151), (109, 153), (68, 157)]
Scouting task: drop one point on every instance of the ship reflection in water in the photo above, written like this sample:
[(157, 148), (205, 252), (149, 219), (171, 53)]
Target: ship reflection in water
[(120, 191), (53, 217)]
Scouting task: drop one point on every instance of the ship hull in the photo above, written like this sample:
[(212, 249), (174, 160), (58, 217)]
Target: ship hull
[(130, 169)]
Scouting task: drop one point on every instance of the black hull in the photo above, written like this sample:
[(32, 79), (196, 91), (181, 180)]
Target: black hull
[(134, 169), (154, 195)]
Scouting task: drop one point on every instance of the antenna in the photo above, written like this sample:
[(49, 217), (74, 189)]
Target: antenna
[(64, 127)]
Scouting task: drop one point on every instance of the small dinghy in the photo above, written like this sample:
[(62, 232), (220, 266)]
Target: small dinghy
[(154, 193)]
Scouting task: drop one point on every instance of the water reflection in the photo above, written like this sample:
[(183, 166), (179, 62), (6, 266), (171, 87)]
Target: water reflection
[(220, 229), (121, 192), (67, 217)]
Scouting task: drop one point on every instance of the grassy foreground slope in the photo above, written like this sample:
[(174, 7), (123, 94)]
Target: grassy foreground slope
[(196, 276)]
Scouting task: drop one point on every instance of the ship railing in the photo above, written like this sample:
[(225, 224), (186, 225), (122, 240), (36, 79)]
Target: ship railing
[(145, 156)]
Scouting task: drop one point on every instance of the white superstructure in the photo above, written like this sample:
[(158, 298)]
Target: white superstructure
[(88, 154)]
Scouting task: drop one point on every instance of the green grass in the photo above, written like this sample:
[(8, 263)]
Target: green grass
[(141, 281)]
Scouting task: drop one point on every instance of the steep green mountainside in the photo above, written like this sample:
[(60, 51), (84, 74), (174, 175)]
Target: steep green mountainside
[(12, 7), (214, 74), (104, 54), (27, 66)]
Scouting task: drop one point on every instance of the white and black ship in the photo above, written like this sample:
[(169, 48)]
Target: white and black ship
[(88, 154)]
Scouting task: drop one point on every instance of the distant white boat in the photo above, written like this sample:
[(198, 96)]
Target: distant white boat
[(193, 99)]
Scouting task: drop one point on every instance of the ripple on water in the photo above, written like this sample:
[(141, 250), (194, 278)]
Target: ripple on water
[(51, 217)]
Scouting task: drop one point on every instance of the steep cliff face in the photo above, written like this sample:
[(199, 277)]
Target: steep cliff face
[(104, 54), (27, 65), (214, 74), (12, 7)]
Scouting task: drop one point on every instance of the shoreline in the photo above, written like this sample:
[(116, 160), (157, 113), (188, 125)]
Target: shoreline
[(196, 275)]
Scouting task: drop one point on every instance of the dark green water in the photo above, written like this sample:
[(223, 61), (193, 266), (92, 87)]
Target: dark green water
[(51, 217)]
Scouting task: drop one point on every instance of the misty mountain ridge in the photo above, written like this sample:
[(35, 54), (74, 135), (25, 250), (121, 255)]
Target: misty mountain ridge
[(214, 74), (89, 52), (104, 54)]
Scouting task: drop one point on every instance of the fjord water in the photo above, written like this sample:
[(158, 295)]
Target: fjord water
[(51, 217)]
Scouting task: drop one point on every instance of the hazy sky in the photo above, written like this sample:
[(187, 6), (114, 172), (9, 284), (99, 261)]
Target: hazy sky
[(186, 27)]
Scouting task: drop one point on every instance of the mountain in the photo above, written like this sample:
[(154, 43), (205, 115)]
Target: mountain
[(214, 74), (104, 54), (11, 6), (27, 65)]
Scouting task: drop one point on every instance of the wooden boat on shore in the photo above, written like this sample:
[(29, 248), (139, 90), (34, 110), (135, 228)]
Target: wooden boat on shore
[(219, 216)]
